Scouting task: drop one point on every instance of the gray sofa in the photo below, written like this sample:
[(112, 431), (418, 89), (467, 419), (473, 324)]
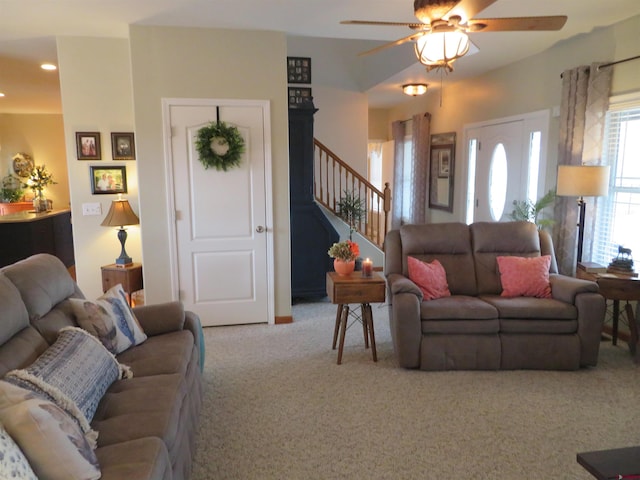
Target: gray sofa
[(476, 327), (146, 424)]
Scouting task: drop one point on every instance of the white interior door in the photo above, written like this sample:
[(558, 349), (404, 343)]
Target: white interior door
[(222, 235), (500, 171)]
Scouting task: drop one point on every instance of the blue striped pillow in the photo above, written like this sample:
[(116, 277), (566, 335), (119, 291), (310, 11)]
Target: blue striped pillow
[(74, 372)]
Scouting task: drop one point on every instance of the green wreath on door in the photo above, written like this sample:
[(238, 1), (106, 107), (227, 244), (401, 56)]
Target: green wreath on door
[(219, 146)]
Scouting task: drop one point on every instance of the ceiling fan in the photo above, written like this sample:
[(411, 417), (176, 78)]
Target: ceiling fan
[(441, 36)]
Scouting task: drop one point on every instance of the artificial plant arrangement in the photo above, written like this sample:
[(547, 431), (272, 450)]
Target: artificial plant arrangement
[(526, 210), (351, 209), (11, 191), (38, 179), (347, 251)]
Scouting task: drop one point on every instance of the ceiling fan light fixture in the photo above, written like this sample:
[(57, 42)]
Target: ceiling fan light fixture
[(441, 49), (414, 89)]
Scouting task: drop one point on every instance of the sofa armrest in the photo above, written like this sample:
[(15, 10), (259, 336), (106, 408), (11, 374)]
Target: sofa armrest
[(160, 318), (192, 323), (591, 306), (404, 320), (401, 284), (565, 288)]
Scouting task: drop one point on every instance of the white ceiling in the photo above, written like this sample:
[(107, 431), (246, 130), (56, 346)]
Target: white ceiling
[(28, 29)]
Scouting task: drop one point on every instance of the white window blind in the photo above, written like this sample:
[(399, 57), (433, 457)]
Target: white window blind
[(618, 215)]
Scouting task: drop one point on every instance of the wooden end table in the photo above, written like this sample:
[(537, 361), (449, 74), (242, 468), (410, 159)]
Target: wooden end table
[(355, 289), (612, 464), (619, 287), (129, 276)]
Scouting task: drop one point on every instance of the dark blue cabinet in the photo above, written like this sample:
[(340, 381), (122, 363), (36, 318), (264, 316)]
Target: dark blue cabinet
[(311, 233)]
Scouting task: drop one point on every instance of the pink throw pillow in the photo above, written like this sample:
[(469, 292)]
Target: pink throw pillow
[(525, 277), (429, 277)]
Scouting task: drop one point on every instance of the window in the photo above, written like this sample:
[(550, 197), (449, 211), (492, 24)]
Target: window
[(618, 214)]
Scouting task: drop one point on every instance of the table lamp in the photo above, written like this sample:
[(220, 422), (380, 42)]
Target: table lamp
[(582, 181), (121, 214)]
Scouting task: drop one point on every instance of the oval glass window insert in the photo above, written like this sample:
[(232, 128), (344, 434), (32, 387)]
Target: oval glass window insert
[(498, 182)]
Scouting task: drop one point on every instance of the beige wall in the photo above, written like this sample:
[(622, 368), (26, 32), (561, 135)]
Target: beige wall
[(530, 85), (205, 63), (95, 79), (41, 136)]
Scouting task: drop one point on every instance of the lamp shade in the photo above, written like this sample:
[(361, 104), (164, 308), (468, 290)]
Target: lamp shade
[(441, 49), (120, 214), (583, 181)]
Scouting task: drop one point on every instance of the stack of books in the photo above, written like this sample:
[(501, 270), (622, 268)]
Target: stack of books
[(592, 267)]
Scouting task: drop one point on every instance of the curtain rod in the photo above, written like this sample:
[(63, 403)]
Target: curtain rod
[(611, 64), (619, 61)]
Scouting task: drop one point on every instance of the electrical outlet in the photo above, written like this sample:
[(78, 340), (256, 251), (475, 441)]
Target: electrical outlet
[(91, 209)]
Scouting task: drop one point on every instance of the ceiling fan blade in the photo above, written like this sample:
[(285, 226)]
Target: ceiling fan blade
[(383, 24), (406, 39), (517, 24), (467, 9)]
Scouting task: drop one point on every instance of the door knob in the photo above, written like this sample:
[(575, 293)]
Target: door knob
[(259, 229)]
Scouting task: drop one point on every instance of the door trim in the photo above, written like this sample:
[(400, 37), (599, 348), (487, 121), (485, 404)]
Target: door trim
[(265, 105)]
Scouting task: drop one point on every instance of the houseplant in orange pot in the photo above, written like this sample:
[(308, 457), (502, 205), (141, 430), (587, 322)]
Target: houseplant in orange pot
[(344, 254)]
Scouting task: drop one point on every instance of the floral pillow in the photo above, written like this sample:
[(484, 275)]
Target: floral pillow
[(431, 278), (111, 319), (525, 276), (52, 441), (13, 463)]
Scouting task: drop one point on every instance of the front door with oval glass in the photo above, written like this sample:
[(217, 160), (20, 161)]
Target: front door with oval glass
[(500, 171)]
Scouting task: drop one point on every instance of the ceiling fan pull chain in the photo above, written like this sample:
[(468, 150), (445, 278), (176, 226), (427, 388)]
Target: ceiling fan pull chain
[(441, 74)]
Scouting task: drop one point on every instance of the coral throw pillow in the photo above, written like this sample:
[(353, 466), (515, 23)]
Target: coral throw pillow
[(429, 277), (525, 277)]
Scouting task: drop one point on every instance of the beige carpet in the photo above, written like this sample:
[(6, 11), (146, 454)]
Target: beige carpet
[(278, 407)]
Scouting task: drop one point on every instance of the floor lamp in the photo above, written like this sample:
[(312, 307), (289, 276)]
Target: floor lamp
[(582, 181)]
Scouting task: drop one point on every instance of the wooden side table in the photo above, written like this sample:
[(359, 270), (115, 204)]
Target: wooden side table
[(355, 289), (618, 287), (129, 276)]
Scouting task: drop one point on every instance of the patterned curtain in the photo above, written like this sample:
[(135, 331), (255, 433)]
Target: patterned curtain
[(584, 103), (410, 206)]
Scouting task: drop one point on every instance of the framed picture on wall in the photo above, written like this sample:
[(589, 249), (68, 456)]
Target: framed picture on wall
[(123, 146), (298, 96), (107, 180), (88, 146), (299, 69)]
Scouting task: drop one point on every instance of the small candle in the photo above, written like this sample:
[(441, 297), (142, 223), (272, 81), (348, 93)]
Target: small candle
[(367, 268)]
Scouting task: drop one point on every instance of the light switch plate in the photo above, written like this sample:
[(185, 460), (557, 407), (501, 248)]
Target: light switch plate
[(91, 209)]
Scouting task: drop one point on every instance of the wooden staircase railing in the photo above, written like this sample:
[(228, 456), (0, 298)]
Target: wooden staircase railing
[(332, 177)]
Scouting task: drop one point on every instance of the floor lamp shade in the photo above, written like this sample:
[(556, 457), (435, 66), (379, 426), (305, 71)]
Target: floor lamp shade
[(582, 181), (120, 214)]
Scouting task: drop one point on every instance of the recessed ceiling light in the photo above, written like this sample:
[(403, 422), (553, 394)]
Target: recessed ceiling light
[(48, 66), (1, 94)]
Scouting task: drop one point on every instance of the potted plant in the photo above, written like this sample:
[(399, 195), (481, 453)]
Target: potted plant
[(11, 191), (38, 179), (351, 209), (344, 254), (530, 212)]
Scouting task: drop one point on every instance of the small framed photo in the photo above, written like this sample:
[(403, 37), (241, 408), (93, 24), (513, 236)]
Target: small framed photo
[(123, 146), (106, 180), (299, 96), (299, 69), (88, 146)]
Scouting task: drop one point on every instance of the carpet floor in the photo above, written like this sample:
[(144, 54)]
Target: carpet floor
[(277, 406)]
